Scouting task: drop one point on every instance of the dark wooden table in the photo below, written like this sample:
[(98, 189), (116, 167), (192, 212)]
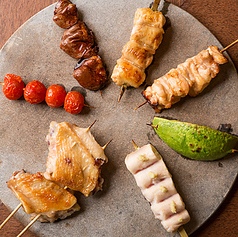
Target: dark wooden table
[(220, 17)]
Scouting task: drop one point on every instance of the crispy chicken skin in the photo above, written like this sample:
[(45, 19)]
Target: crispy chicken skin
[(65, 14), (190, 77), (156, 184), (78, 41), (137, 54), (41, 196), (71, 161), (90, 73)]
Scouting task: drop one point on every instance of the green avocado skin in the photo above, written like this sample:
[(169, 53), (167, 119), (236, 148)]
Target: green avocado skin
[(195, 141)]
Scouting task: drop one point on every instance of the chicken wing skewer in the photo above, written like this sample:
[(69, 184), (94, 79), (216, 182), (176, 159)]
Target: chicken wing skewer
[(137, 54), (156, 184), (33, 190), (189, 78)]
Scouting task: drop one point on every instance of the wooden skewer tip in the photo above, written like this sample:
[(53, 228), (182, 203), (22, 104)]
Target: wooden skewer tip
[(89, 106), (105, 146), (123, 88), (141, 105), (29, 225), (182, 232), (152, 125), (90, 126), (134, 144), (101, 93), (12, 213), (2, 83)]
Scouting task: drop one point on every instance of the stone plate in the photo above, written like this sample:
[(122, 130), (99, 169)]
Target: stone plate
[(119, 210)]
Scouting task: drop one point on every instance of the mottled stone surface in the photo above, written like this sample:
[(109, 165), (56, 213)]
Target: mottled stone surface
[(120, 210)]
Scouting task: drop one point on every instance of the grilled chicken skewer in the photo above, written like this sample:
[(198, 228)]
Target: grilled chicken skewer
[(75, 158), (41, 196), (137, 54), (190, 77), (156, 184)]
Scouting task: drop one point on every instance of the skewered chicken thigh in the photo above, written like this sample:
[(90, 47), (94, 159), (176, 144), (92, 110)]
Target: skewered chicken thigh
[(190, 77), (75, 158), (156, 184), (41, 196), (137, 54)]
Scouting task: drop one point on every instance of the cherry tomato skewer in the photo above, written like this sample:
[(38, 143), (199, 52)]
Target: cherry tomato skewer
[(13, 86)]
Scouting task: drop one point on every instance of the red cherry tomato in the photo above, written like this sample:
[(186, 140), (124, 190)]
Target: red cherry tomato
[(13, 86), (55, 96), (73, 102), (34, 92)]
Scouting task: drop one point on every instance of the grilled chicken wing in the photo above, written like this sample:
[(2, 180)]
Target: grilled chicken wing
[(65, 14), (190, 77), (41, 196), (156, 184), (137, 54), (74, 158)]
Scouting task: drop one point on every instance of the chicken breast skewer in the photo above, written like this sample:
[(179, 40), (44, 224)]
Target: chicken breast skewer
[(190, 77), (137, 54), (156, 184)]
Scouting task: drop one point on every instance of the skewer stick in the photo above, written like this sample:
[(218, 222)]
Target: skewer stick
[(105, 146), (182, 232), (13, 212), (228, 46), (89, 106), (2, 83), (134, 144), (91, 125), (101, 93), (123, 88), (29, 225), (155, 5), (141, 105)]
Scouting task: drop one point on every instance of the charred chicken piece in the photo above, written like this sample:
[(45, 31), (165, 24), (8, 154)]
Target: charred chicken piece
[(74, 158), (137, 54), (90, 73), (190, 77), (78, 41), (41, 196), (65, 14)]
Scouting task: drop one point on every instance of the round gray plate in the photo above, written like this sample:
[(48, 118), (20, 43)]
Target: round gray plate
[(119, 210)]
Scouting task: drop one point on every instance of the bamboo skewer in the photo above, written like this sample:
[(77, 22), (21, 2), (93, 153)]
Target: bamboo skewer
[(90, 126), (182, 232), (29, 225), (227, 47), (105, 146), (12, 213)]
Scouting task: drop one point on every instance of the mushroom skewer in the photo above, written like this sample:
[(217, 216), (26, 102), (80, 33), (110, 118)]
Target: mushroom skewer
[(137, 54), (190, 77), (156, 184)]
